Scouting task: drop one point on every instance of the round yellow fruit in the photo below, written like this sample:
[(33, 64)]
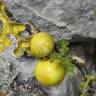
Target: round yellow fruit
[(49, 73), (41, 44)]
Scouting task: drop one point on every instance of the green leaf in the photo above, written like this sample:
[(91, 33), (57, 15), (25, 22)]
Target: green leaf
[(83, 94), (63, 55), (84, 85)]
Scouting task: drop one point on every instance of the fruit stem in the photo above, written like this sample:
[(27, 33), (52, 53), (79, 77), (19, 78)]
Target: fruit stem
[(34, 29), (78, 59), (80, 64)]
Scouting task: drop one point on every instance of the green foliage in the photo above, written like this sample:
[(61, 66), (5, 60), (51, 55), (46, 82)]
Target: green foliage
[(62, 53), (84, 85), (83, 94)]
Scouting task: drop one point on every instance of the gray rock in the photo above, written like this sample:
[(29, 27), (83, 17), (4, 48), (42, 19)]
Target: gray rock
[(25, 14), (78, 16), (67, 88), (9, 69), (30, 88)]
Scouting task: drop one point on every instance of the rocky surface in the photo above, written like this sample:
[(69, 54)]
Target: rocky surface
[(63, 19), (75, 17), (29, 88), (9, 68)]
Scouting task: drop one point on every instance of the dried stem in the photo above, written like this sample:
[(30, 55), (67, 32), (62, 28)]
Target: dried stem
[(34, 29)]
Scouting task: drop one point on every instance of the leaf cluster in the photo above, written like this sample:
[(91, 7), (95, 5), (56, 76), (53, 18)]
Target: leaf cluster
[(62, 53), (85, 84)]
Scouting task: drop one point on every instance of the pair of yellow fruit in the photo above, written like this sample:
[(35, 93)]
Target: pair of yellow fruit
[(47, 72)]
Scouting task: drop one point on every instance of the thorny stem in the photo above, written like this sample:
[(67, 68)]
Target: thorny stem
[(79, 60), (34, 29), (80, 64)]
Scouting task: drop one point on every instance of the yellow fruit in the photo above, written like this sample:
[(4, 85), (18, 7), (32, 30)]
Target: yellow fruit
[(41, 44), (49, 73)]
